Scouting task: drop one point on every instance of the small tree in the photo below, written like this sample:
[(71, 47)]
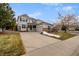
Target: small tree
[(64, 28), (6, 15), (49, 29)]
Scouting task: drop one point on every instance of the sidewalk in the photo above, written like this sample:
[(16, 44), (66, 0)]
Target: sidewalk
[(63, 48)]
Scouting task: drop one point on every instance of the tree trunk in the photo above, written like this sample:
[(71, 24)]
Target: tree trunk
[(2, 29)]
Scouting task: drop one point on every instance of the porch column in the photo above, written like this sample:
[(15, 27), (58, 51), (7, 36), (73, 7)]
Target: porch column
[(32, 27)]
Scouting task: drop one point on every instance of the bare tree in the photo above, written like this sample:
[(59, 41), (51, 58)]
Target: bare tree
[(68, 21)]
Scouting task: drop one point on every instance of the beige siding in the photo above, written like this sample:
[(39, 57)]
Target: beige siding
[(40, 25), (39, 28)]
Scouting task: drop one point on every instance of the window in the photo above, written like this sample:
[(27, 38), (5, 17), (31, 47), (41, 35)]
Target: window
[(23, 26), (23, 20), (34, 26), (20, 19), (26, 20)]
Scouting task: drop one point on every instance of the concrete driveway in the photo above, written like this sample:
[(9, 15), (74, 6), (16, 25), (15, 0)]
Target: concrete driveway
[(40, 45), (69, 47), (33, 41)]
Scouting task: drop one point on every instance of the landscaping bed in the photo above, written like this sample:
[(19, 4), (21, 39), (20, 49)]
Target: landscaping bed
[(59, 35), (64, 35), (11, 44)]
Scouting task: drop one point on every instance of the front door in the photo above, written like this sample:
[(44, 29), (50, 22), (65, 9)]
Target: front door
[(29, 28), (34, 28)]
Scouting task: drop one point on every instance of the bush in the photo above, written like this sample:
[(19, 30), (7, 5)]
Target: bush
[(64, 28), (77, 29)]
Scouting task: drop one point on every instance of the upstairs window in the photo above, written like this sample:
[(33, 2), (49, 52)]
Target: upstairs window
[(26, 20), (23, 20)]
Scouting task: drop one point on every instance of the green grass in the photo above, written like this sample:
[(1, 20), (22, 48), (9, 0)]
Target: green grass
[(11, 44), (64, 35)]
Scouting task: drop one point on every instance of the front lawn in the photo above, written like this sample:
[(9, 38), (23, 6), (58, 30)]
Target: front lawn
[(64, 35), (11, 44)]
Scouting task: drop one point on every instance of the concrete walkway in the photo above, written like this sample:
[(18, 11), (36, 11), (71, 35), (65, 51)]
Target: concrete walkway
[(33, 40), (39, 45)]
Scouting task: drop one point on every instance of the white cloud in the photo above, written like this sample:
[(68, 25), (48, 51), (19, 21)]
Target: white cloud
[(65, 10), (52, 4), (35, 14), (68, 8)]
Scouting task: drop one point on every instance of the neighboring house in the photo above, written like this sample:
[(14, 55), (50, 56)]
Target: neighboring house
[(26, 23)]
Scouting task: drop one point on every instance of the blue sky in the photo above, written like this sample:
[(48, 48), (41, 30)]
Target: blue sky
[(45, 11)]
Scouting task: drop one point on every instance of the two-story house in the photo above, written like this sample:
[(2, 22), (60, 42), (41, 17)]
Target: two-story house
[(26, 23)]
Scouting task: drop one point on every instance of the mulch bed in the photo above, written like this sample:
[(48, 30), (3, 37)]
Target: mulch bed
[(2, 32)]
